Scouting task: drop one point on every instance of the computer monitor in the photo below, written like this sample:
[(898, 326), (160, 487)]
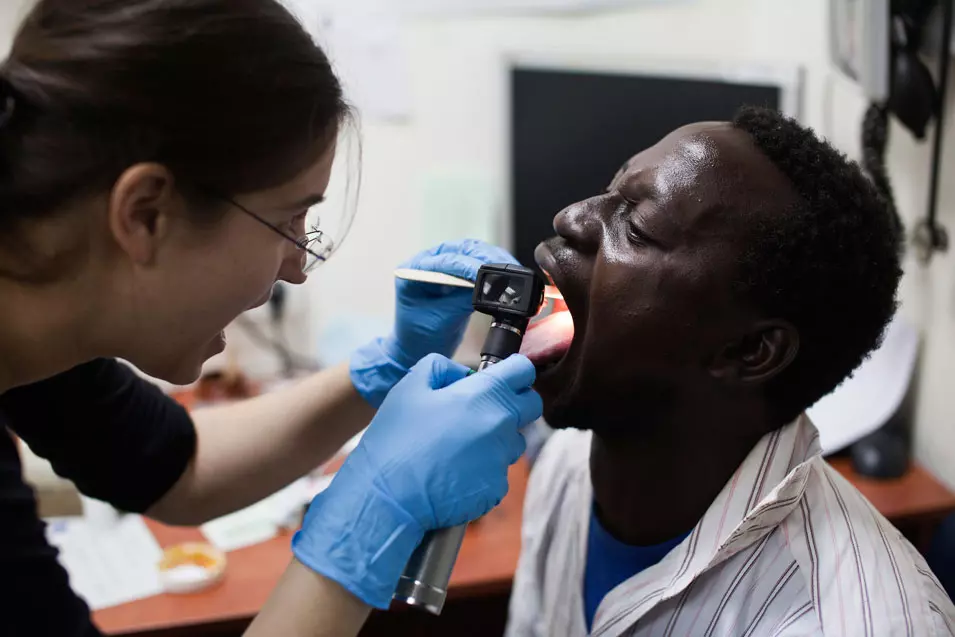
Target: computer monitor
[(572, 125)]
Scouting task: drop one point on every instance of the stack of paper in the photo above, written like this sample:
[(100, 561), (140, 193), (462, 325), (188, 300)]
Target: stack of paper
[(109, 564)]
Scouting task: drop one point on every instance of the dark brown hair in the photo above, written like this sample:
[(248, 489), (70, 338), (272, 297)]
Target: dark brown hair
[(232, 95)]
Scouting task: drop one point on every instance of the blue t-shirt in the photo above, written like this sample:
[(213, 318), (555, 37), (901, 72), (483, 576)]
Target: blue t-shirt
[(610, 562)]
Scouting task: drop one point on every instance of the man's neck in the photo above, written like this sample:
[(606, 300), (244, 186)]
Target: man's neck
[(653, 489)]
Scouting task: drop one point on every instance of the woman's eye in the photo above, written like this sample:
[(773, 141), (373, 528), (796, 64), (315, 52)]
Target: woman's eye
[(297, 223)]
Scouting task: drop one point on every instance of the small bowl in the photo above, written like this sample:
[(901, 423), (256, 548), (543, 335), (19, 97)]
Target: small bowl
[(191, 567)]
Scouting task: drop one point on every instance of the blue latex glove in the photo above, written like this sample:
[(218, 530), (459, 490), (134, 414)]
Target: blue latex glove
[(435, 456), (428, 318)]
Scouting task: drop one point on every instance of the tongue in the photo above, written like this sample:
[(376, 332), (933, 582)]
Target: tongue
[(549, 338)]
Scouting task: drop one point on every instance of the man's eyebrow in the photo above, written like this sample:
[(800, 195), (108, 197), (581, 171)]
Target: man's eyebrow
[(620, 172), (642, 184), (305, 202)]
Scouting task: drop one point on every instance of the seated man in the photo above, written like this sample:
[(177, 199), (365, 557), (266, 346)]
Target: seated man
[(729, 277)]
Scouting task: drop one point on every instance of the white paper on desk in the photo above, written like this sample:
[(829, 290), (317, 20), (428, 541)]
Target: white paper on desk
[(108, 564)]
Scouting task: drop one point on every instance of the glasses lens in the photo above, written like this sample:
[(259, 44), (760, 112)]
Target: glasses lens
[(325, 229), (327, 224)]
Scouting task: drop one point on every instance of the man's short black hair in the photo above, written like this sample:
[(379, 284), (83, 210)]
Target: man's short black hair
[(830, 264)]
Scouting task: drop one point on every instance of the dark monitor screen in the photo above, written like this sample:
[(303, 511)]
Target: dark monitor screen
[(571, 131)]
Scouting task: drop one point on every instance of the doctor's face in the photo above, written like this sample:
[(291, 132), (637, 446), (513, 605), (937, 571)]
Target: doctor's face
[(647, 271), (208, 273)]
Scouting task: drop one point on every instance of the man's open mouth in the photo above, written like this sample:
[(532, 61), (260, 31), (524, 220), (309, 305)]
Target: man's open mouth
[(548, 339)]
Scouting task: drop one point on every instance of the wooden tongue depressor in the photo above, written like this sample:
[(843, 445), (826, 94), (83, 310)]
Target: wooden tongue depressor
[(440, 278)]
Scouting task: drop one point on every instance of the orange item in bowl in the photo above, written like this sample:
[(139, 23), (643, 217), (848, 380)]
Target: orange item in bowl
[(191, 567)]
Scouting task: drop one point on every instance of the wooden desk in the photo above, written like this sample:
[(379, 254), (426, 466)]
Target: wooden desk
[(915, 503), (485, 567), (484, 570)]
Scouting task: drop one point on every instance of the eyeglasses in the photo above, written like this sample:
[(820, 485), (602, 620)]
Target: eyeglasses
[(315, 244)]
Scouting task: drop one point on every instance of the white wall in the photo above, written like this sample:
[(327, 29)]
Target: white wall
[(10, 13), (929, 295), (928, 292)]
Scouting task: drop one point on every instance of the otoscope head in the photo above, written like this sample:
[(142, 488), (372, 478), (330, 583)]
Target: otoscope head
[(508, 292)]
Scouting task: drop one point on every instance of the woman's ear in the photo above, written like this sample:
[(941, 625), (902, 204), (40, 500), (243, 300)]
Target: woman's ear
[(141, 205), (761, 354)]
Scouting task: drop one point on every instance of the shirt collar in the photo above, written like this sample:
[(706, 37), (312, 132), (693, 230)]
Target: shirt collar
[(762, 492)]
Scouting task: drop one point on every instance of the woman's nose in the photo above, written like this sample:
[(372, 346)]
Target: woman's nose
[(580, 224), (292, 268)]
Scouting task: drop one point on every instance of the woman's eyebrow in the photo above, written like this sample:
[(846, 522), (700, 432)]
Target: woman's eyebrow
[(305, 202)]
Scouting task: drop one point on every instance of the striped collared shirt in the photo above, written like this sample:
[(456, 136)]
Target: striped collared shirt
[(788, 548)]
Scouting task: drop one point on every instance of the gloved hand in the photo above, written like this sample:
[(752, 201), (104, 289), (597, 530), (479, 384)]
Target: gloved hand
[(435, 456), (428, 318)]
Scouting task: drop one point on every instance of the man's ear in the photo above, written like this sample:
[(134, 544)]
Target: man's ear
[(140, 206), (764, 352)]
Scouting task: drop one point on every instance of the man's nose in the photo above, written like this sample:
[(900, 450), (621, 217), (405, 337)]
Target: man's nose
[(581, 224)]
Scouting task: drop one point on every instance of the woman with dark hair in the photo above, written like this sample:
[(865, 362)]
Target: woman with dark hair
[(162, 165)]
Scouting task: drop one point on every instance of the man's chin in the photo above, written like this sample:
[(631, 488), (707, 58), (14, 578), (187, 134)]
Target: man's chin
[(557, 391), (570, 412), (560, 413)]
